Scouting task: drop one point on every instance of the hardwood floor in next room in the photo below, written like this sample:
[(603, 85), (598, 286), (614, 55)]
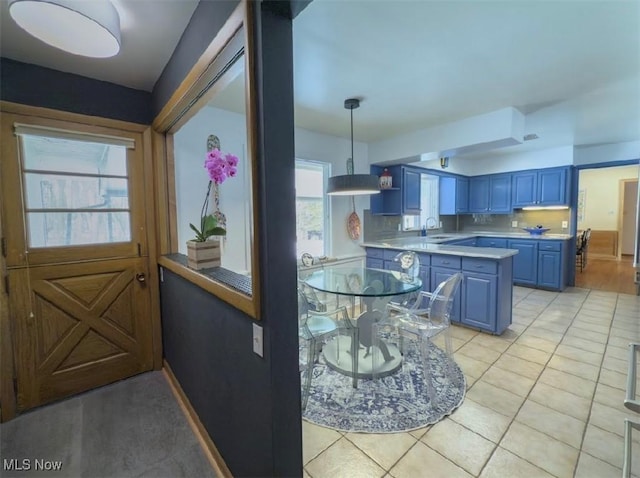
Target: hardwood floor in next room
[(608, 275)]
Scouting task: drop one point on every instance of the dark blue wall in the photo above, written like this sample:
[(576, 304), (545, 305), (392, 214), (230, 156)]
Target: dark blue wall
[(207, 19), (38, 86)]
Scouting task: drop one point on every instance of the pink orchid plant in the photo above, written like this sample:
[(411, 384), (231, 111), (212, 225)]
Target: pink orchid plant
[(220, 166)]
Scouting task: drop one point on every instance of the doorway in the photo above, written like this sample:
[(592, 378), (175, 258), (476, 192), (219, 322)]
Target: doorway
[(73, 201), (609, 254)]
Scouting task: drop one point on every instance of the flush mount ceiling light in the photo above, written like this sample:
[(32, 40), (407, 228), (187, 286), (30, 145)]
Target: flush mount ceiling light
[(87, 28), (353, 184)]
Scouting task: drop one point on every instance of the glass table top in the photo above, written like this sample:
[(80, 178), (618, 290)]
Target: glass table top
[(363, 282)]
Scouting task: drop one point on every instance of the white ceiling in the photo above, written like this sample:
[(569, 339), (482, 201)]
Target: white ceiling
[(150, 32), (573, 67)]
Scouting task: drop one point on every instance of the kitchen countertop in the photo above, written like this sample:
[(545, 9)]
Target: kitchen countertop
[(412, 244), (434, 243)]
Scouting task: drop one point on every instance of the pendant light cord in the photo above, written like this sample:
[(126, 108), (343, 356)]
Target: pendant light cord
[(352, 162)]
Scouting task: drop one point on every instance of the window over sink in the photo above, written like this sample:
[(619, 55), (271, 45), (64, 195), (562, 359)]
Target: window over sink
[(429, 206)]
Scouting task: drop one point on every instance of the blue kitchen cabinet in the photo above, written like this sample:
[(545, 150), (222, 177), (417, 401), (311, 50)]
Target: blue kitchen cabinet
[(490, 194), (375, 263), (525, 262), (411, 191), (549, 267), (454, 195), (403, 197), (479, 300), (479, 194), (443, 267), (541, 187), (552, 268), (425, 277), (491, 242), (553, 185)]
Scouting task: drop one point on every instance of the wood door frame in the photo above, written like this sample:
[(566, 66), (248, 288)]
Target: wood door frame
[(149, 149), (621, 185)]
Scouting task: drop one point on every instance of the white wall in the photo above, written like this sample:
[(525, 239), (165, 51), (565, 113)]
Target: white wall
[(501, 163), (607, 152), (602, 195), (334, 150), (190, 148)]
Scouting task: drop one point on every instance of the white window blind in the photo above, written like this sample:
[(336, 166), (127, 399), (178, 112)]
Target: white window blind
[(47, 132)]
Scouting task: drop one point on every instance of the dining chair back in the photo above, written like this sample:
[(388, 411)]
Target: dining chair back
[(315, 327)]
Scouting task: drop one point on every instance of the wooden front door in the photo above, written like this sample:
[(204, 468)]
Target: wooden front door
[(76, 257)]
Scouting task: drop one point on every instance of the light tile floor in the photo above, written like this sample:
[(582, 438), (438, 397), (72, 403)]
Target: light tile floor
[(544, 399)]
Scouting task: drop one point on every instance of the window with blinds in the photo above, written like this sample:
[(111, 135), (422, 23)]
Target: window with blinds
[(75, 189)]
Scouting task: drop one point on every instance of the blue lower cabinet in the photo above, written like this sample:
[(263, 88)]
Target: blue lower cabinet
[(491, 242), (375, 263), (525, 262), (392, 266), (549, 267), (425, 277), (479, 300), (439, 275)]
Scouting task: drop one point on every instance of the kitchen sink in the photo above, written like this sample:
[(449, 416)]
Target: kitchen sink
[(438, 237)]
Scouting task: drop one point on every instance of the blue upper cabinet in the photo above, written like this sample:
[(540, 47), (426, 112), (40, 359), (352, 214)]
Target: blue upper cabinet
[(541, 187), (479, 194), (490, 194), (403, 197), (410, 191), (454, 195)]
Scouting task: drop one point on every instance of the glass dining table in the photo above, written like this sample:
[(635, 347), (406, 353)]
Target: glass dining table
[(374, 288)]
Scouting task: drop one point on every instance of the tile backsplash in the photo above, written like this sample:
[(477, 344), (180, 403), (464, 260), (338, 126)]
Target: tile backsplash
[(376, 228)]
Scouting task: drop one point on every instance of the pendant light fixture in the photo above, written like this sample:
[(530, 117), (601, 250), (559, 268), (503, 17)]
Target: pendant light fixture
[(82, 27), (353, 184)]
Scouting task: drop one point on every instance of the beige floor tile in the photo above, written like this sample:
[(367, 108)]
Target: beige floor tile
[(566, 381), (513, 332), (610, 396), (502, 401), (604, 445), (470, 366), (630, 336), (580, 355), (613, 379), (562, 427), (528, 353), (508, 380), (561, 400), (621, 353), (601, 329), (573, 367), (463, 333), (615, 364), (557, 328), (521, 367), (482, 420), (305, 473), (465, 448), (588, 345), (505, 464), (536, 343), (620, 342), (591, 467), (385, 449), (587, 335), (551, 455), (316, 439), (491, 342), (343, 459), (423, 462), (419, 433), (543, 333), (479, 352), (611, 419)]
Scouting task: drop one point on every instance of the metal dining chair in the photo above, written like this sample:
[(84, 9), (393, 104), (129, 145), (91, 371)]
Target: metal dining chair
[(315, 327), (427, 318)]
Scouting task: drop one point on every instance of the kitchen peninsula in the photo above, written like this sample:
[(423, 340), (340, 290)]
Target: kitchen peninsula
[(484, 300)]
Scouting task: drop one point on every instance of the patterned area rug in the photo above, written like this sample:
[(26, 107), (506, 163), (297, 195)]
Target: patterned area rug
[(396, 403)]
